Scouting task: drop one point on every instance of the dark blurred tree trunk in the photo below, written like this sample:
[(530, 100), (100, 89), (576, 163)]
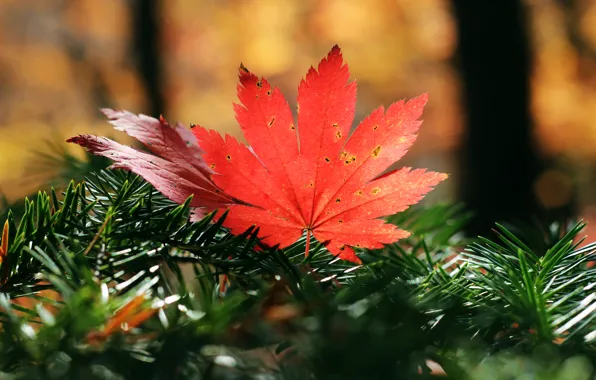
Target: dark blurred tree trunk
[(146, 49), (499, 165)]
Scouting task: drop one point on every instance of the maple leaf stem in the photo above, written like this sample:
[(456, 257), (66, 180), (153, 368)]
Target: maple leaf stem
[(307, 249)]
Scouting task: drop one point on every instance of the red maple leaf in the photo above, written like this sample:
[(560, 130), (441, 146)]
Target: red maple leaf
[(299, 177), (176, 168), (310, 176)]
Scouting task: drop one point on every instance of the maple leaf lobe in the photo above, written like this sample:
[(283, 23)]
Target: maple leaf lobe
[(175, 168)]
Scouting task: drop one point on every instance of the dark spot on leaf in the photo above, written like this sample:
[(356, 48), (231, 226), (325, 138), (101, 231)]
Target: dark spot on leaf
[(292, 127), (338, 134), (340, 221), (376, 190), (269, 92), (342, 247), (376, 152), (259, 84), (327, 159), (228, 157), (376, 127), (337, 200), (359, 193), (335, 125), (212, 166), (272, 121)]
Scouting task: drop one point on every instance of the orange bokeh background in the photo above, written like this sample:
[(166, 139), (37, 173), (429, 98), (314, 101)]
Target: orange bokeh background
[(61, 60)]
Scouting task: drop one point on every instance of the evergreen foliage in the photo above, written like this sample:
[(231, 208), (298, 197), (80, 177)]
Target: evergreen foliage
[(108, 279)]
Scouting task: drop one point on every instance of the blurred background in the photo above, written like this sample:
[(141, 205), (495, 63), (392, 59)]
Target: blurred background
[(512, 84)]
